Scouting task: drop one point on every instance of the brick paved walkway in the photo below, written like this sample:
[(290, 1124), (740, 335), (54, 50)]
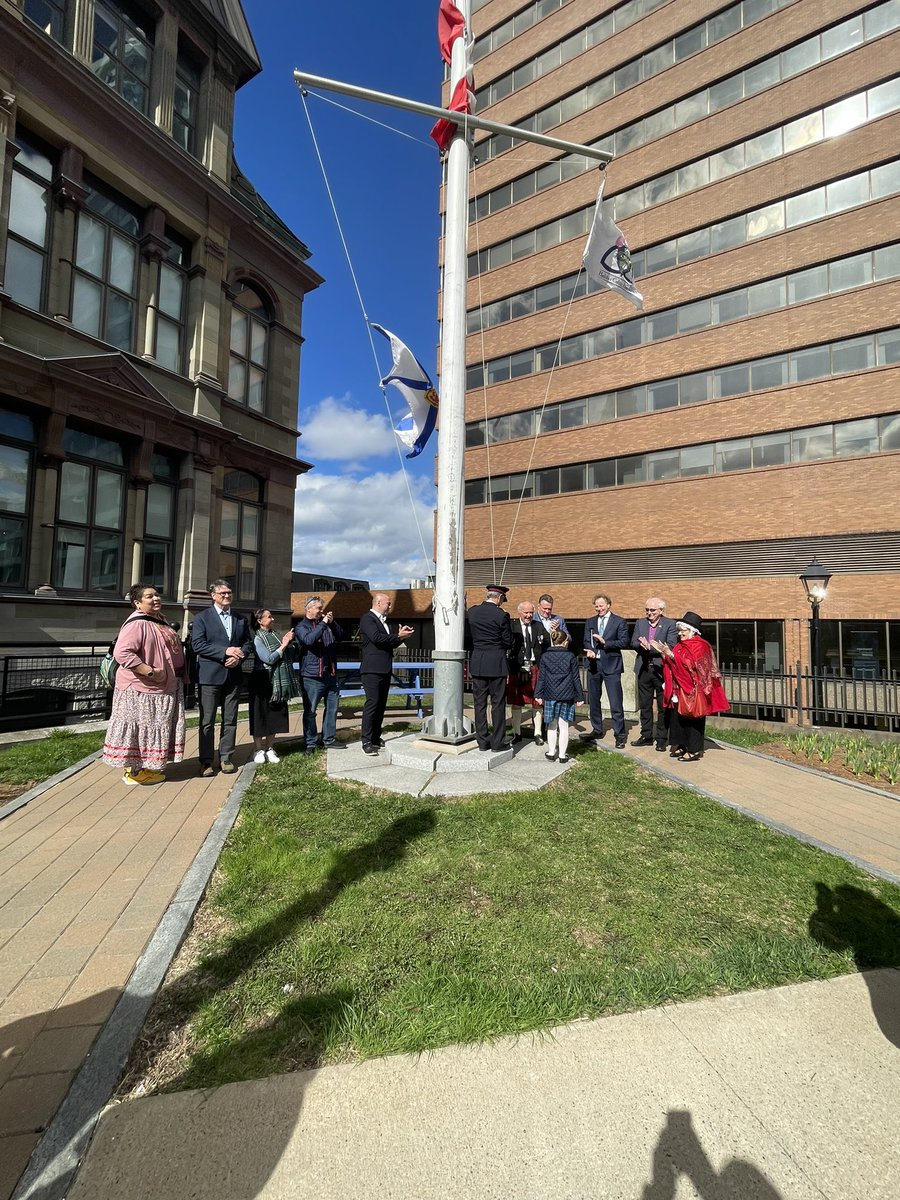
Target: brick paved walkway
[(88, 869)]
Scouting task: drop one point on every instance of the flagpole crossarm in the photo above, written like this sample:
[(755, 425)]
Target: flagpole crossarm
[(466, 121)]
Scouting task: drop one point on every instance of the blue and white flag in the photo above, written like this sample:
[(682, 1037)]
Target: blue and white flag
[(607, 258), (411, 379)]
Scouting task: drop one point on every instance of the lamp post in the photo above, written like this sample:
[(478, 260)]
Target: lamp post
[(815, 580)]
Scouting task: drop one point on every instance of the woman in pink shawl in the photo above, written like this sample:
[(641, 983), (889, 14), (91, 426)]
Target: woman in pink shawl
[(692, 688), (146, 727)]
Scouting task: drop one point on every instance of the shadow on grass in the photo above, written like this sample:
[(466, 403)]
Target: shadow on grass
[(679, 1154), (304, 1025), (849, 918)]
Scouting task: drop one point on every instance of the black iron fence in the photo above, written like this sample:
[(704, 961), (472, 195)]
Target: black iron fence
[(798, 696), (44, 686)]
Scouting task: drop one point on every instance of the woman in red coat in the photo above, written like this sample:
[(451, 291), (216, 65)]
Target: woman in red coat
[(692, 687)]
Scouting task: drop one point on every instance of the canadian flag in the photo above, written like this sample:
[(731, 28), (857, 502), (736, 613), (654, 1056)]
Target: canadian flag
[(451, 25)]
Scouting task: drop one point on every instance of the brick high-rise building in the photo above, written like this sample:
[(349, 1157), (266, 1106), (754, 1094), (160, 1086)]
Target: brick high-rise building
[(749, 419)]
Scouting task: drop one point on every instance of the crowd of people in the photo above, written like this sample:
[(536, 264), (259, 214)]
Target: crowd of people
[(678, 679), (528, 662)]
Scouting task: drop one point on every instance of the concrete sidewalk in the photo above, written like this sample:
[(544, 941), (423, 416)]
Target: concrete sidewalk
[(789, 1094), (91, 871)]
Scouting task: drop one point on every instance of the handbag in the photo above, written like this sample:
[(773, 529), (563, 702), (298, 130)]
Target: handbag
[(693, 704)]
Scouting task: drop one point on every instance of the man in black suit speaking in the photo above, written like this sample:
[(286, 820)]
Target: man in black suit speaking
[(378, 646), (490, 640)]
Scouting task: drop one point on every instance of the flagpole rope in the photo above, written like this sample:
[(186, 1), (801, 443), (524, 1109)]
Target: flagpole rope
[(429, 145), (487, 440), (534, 442), (337, 220)]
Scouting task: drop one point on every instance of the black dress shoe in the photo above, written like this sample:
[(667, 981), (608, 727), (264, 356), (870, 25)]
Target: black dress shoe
[(621, 745), (538, 741), (370, 749), (593, 737), (550, 757), (502, 746), (661, 747), (563, 758), (642, 741)]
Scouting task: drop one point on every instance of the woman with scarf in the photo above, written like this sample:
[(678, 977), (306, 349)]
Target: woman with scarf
[(272, 684), (146, 726), (692, 687)]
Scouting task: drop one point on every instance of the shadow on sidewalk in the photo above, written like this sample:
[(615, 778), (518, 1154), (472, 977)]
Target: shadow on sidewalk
[(848, 917), (679, 1154)]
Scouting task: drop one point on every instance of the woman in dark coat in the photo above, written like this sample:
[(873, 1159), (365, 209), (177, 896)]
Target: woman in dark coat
[(558, 689)]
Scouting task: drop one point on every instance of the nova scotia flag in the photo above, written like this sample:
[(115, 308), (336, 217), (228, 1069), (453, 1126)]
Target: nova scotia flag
[(411, 379)]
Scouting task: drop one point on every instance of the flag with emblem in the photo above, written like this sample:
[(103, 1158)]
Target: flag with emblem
[(607, 258), (411, 379)]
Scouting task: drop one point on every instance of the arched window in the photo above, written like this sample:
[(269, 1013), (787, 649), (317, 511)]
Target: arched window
[(241, 538), (249, 349)]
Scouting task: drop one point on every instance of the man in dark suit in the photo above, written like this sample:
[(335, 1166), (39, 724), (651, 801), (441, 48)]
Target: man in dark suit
[(490, 639), (529, 641), (377, 660), (221, 640), (605, 637), (654, 626)]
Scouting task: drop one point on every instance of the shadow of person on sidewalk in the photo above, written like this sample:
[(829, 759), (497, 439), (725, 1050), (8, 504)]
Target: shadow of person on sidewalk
[(679, 1153), (851, 918)]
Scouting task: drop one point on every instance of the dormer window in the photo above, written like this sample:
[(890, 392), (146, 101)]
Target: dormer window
[(122, 53)]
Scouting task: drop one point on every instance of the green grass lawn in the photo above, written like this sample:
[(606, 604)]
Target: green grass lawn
[(345, 923), (749, 738), (28, 763)]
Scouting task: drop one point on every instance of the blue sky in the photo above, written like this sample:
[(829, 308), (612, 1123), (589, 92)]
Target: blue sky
[(354, 512)]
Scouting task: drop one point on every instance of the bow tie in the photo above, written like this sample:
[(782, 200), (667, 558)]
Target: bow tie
[(226, 612)]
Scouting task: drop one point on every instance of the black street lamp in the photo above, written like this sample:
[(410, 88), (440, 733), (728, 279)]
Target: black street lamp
[(815, 580)]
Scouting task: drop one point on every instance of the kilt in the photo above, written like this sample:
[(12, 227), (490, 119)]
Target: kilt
[(519, 691)]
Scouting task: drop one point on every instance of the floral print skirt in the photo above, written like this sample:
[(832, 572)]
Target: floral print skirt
[(146, 729)]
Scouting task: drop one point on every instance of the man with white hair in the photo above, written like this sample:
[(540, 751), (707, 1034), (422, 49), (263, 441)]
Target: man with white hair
[(376, 665), (654, 626)]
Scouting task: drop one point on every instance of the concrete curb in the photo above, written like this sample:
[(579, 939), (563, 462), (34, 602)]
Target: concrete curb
[(56, 1158), (27, 797), (778, 826)]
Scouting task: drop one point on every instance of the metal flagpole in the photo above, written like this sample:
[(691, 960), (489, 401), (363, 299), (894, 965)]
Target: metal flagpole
[(448, 725)]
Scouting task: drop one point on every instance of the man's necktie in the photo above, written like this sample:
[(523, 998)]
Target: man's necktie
[(527, 632)]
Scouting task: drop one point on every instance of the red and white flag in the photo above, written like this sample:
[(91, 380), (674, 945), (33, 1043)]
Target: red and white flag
[(451, 23), (462, 101)]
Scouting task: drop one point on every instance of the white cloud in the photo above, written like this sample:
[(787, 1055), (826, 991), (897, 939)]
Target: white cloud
[(336, 431), (364, 527)]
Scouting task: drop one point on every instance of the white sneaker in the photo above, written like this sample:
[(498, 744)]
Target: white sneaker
[(272, 757), (259, 756)]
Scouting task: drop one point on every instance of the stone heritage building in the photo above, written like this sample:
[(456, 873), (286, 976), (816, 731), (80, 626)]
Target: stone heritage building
[(150, 315), (748, 419)]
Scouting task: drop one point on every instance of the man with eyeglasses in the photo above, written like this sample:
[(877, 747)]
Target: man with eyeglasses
[(654, 626), (221, 640)]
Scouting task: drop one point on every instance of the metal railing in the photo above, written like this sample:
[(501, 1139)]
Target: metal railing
[(60, 685), (801, 697)]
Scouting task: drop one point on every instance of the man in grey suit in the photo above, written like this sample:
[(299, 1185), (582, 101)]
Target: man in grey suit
[(654, 626), (220, 638), (490, 637)]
